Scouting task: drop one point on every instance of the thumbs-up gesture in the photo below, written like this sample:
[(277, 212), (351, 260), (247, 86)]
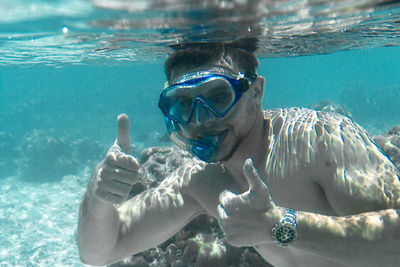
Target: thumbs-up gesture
[(118, 172), (247, 219)]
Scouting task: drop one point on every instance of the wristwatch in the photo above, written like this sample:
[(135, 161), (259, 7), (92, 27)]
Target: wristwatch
[(285, 232)]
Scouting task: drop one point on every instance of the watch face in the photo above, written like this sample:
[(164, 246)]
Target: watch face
[(285, 235)]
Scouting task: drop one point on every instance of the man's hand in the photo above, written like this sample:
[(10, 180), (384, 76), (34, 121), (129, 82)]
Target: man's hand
[(247, 219), (118, 172)]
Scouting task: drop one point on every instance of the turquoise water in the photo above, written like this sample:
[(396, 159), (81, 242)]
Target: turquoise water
[(59, 100), (38, 214)]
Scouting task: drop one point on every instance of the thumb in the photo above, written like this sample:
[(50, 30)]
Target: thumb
[(252, 176), (123, 133), (258, 188)]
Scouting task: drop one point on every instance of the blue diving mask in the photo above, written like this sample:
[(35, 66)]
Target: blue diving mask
[(203, 95)]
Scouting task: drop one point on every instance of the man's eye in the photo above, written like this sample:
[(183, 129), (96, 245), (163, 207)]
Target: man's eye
[(186, 102), (218, 97)]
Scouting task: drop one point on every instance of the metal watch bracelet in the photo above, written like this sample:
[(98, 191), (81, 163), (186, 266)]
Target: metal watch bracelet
[(285, 232)]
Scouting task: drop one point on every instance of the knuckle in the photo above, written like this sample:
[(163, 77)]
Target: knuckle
[(114, 200), (135, 163), (104, 173), (129, 161), (111, 158), (126, 190), (121, 188), (100, 176)]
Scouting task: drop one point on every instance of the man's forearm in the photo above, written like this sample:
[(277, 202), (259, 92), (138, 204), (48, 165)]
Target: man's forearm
[(98, 229), (367, 239)]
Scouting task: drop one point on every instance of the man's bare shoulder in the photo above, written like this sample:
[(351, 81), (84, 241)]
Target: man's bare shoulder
[(300, 119), (335, 153), (302, 137), (299, 136)]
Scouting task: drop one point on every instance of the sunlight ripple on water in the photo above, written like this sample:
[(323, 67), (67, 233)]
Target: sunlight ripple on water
[(114, 31)]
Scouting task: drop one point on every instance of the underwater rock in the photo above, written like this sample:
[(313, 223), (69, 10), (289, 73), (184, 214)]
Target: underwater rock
[(158, 162), (203, 246), (329, 106), (47, 158), (201, 243), (155, 164), (389, 142), (8, 155)]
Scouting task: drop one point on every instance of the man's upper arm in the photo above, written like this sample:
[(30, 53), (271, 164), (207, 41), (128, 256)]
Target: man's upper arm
[(356, 176), (153, 216)]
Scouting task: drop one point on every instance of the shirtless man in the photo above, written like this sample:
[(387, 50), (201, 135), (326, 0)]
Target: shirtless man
[(304, 188)]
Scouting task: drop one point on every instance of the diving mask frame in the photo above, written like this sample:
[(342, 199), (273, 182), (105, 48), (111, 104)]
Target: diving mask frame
[(205, 148), (238, 84)]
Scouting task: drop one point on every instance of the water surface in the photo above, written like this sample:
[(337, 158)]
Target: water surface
[(68, 68)]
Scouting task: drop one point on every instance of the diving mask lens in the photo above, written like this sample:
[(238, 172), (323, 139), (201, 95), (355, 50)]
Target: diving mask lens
[(217, 93)]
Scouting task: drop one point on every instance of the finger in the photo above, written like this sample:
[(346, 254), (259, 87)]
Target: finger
[(226, 197), (230, 202), (252, 176), (119, 159), (116, 187), (123, 133), (121, 175), (222, 213), (127, 162), (110, 197), (256, 183)]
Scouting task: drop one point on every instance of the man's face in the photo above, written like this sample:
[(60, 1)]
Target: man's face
[(234, 126)]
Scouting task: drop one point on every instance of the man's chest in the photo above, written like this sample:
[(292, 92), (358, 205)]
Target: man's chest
[(297, 192), (300, 194)]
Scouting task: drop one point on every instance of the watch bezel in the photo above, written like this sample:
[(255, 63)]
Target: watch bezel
[(281, 226)]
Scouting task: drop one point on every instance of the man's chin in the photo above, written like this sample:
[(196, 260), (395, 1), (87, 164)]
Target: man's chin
[(226, 152)]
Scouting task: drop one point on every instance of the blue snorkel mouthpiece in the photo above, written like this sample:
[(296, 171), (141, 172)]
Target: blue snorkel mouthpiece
[(205, 148)]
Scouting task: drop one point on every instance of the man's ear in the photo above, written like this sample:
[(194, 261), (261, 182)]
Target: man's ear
[(258, 86)]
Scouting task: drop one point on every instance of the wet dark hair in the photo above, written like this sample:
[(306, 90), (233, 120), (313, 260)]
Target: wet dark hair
[(192, 55)]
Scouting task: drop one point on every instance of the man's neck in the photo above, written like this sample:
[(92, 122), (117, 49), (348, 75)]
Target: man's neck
[(254, 146)]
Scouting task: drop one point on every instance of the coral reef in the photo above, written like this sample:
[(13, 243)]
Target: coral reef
[(329, 106), (201, 243), (389, 142), (46, 158)]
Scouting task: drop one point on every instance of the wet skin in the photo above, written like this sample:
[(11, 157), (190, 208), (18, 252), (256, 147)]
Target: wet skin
[(345, 190)]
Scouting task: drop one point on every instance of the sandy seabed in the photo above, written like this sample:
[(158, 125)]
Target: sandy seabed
[(38, 221)]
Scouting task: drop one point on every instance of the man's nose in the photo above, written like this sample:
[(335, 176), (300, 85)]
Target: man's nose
[(201, 114)]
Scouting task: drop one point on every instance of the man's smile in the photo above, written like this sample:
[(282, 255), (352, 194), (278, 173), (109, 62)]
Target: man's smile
[(221, 135)]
